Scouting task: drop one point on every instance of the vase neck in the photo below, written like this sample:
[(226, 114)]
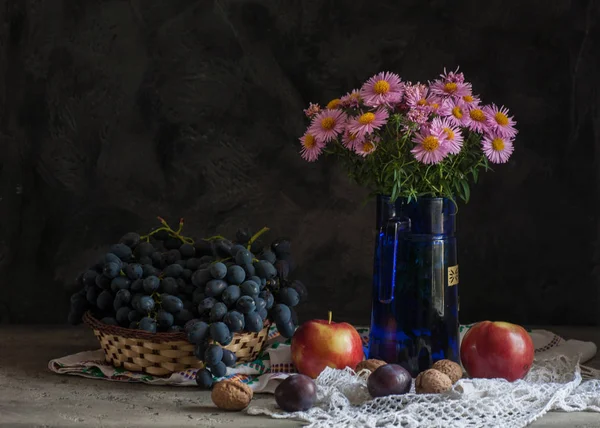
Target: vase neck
[(428, 216)]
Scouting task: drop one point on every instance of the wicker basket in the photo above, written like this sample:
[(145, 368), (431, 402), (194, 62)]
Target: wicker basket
[(161, 354)]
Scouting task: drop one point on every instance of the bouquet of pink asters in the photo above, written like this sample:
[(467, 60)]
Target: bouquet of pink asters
[(409, 140)]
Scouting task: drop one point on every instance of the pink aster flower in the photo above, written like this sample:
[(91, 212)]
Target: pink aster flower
[(367, 146), (429, 148), (454, 111), (476, 120), (469, 102), (382, 89), (499, 121), (453, 139), (312, 110), (451, 85), (496, 148), (350, 140), (453, 76), (415, 96), (418, 115), (311, 149), (327, 125), (368, 122), (351, 99)]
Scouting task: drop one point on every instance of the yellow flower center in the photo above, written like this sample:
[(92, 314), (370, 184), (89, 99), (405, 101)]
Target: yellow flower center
[(501, 119), (435, 106), (355, 96), (351, 136), (381, 87), (430, 143), (366, 118), (450, 87), (468, 98), (309, 141), (498, 144), (449, 133), (422, 102), (457, 112), (333, 104), (327, 123), (368, 146), (477, 115)]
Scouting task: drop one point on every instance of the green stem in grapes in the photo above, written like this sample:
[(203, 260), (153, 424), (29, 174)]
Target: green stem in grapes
[(256, 236)]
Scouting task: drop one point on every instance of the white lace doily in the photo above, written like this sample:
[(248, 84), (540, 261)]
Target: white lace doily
[(551, 384)]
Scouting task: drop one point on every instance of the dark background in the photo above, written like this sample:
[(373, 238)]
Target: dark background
[(113, 112)]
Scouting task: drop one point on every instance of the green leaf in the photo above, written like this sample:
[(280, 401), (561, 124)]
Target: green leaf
[(466, 189), (475, 173)]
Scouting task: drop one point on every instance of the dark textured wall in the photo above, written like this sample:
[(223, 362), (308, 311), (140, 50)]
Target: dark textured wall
[(114, 112)]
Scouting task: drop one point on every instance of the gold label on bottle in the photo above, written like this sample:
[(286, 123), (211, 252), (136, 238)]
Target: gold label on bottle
[(452, 276)]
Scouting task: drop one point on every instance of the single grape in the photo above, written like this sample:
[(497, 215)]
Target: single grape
[(229, 358), (172, 243), (186, 275), (250, 270), (243, 257), (169, 285), (174, 271), (122, 251), (235, 275), (215, 287), (134, 271), (220, 333), (181, 284), (219, 369), (265, 269), (173, 256), (223, 247), (122, 298), (130, 239), (143, 249), (204, 379), (264, 314), (257, 246), (288, 258), (190, 324), (260, 303), (122, 315), (192, 264), (164, 319), (218, 270), (146, 304), (199, 350), (245, 304), (250, 288), (149, 270), (198, 333), (151, 284), (207, 259), (281, 246), (111, 270), (198, 296), (283, 269), (92, 294), (103, 281), (269, 256), (187, 304), (213, 355), (243, 235), (147, 324), (201, 277), (187, 251), (235, 249), (231, 294), (296, 393), (89, 277), (286, 329), (156, 258), (254, 322), (267, 296), (112, 258), (171, 304), (218, 311), (134, 316), (389, 379), (281, 313), (206, 305), (137, 286), (110, 321), (289, 296), (120, 283), (300, 289), (105, 301), (234, 321), (183, 316)]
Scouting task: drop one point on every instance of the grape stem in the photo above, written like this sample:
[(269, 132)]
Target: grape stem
[(330, 316), (256, 236), (175, 234)]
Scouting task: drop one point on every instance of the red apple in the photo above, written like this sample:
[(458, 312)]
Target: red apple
[(497, 350), (318, 344)]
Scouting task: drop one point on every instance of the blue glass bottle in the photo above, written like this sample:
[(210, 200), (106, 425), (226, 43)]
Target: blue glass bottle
[(414, 317)]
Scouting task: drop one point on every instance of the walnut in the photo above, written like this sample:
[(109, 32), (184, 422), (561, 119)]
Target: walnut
[(432, 382), (231, 395), (370, 365), (449, 368)]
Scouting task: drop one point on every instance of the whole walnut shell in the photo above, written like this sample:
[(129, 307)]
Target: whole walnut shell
[(432, 382), (231, 395), (449, 368), (370, 365)]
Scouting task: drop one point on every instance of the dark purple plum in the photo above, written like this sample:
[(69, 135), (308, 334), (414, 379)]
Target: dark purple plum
[(390, 379), (296, 393)]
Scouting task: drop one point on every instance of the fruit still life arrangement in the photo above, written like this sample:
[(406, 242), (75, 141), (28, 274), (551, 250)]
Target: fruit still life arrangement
[(202, 293)]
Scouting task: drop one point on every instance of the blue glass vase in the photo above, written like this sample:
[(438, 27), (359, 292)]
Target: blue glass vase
[(414, 317)]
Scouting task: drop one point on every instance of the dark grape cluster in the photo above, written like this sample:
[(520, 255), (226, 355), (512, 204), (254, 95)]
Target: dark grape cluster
[(209, 288)]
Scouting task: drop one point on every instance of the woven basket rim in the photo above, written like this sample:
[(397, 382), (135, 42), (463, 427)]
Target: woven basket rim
[(158, 337)]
